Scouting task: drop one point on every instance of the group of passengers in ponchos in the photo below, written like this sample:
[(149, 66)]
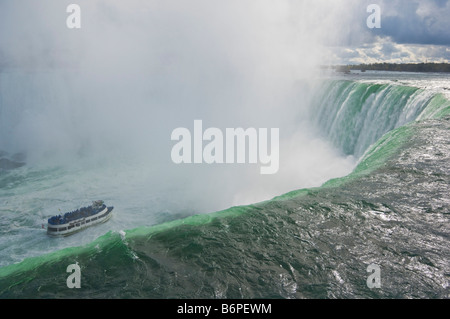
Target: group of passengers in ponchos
[(68, 217)]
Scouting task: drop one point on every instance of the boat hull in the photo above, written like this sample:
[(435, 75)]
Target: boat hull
[(79, 224)]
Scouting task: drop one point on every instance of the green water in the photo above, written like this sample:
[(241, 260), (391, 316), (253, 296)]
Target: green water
[(392, 210)]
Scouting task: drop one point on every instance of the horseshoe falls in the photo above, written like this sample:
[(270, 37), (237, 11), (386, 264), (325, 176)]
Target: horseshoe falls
[(383, 199), (367, 111)]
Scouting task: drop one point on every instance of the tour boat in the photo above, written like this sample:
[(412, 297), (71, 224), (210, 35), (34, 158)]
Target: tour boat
[(72, 222)]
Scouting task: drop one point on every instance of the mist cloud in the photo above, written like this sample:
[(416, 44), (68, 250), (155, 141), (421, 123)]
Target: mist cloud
[(116, 88)]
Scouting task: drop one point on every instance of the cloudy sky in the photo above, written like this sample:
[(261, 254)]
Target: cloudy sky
[(411, 31)]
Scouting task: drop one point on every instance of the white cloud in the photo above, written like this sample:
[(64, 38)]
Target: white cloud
[(385, 50)]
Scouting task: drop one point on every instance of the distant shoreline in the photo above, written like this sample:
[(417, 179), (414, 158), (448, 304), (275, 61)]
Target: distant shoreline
[(395, 67)]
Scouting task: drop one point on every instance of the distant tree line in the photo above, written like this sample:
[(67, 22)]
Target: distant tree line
[(407, 67)]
